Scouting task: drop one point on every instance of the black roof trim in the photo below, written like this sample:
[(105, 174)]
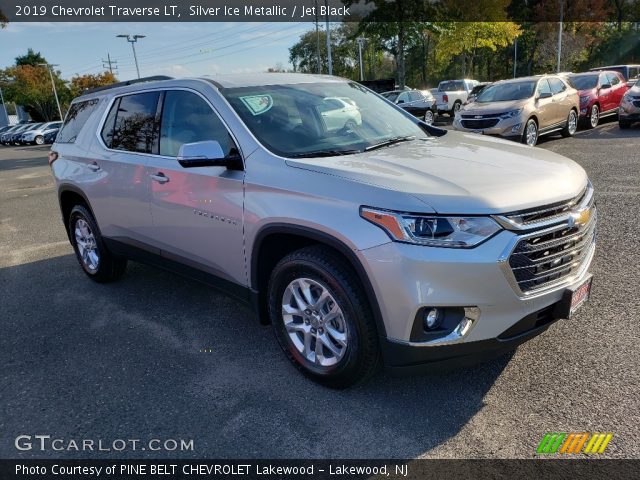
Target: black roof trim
[(128, 82)]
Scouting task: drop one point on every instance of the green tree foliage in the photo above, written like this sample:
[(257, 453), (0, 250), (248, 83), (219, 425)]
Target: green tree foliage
[(29, 84)]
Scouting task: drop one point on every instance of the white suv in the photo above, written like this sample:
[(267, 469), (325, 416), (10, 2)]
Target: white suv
[(384, 241)]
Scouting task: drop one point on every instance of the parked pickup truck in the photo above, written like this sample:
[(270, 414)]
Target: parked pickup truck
[(452, 94)]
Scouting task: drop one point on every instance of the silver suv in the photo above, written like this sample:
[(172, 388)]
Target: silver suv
[(378, 242)]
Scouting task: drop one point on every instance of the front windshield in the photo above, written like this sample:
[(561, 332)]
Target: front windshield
[(507, 92), (325, 118), (584, 82), (391, 96)]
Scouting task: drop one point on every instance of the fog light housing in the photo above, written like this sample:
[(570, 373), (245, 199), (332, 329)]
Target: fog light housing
[(431, 318), (516, 128)]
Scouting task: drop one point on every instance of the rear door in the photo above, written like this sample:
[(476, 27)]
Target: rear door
[(618, 88), (545, 107), (561, 102), (127, 136), (196, 212)]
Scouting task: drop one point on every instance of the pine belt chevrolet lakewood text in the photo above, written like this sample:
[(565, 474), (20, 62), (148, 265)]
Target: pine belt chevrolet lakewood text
[(363, 235)]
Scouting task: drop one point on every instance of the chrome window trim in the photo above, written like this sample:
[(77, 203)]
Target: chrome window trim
[(105, 114)]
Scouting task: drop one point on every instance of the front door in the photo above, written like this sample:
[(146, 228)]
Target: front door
[(196, 212), (545, 107)]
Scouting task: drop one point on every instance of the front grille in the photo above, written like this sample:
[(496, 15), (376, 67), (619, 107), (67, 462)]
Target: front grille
[(477, 117), (548, 213), (636, 103), (552, 255), (481, 123)]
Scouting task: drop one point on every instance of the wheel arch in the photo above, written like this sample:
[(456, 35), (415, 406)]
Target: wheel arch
[(68, 197), (274, 241)]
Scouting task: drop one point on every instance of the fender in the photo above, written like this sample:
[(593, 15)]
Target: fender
[(324, 238), (68, 187)]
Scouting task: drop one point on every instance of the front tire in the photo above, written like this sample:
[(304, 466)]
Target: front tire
[(530, 133), (39, 140), (456, 108), (91, 252), (623, 124), (322, 319), (571, 126), (594, 117)]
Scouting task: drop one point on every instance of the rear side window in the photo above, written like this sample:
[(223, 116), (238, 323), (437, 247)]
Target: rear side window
[(415, 96), (132, 123), (78, 115), (188, 118)]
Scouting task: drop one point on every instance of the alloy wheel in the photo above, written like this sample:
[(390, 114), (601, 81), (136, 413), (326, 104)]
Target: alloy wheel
[(314, 322), (39, 140), (532, 134), (87, 246), (572, 122), (595, 116), (428, 117)]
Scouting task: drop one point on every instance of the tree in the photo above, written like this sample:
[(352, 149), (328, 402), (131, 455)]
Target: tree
[(31, 58), (81, 83), (467, 38), (3, 20), (344, 51)]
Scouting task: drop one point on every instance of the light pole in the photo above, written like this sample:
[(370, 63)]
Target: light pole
[(560, 34), (53, 84), (133, 40), (515, 58), (317, 40), (329, 62), (360, 41)]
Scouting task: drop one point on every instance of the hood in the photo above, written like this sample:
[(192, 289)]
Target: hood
[(492, 107), (460, 173), (588, 91)]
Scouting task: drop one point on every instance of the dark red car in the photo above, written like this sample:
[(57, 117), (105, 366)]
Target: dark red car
[(600, 94)]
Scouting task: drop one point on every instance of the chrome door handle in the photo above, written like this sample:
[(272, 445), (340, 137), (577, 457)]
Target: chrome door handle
[(94, 167), (159, 177)]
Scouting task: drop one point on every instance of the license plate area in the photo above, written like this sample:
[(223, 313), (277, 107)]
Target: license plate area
[(573, 298)]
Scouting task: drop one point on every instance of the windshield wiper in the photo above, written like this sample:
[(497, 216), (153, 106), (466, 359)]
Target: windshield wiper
[(324, 153), (390, 141)]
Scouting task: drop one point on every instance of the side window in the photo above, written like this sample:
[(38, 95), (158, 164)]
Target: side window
[(415, 96), (603, 79), (543, 86), (613, 79), (78, 115), (187, 118), (557, 85), (404, 96), (135, 123), (633, 73)]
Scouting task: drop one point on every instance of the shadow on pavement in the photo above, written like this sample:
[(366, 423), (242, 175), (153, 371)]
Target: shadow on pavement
[(158, 356), (18, 163)]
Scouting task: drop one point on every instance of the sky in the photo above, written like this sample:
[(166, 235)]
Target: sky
[(174, 49)]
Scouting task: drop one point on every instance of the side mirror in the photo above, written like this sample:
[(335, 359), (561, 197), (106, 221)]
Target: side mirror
[(605, 86), (545, 95), (399, 102), (207, 154)]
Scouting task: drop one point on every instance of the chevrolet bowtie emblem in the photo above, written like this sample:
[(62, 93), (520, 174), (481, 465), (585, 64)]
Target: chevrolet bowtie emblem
[(580, 217)]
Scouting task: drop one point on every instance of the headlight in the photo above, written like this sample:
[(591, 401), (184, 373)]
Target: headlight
[(511, 114), (435, 231), (626, 98), (584, 99)]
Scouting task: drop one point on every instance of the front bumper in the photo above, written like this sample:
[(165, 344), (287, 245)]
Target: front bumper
[(409, 278), (629, 111), (506, 128)]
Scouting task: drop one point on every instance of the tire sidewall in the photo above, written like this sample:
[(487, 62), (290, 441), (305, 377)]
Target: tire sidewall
[(80, 212), (285, 273), (526, 128), (591, 125)]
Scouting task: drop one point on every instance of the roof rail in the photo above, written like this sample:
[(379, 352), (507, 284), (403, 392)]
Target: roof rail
[(128, 82)]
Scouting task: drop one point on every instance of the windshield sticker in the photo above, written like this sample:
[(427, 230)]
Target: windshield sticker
[(258, 104)]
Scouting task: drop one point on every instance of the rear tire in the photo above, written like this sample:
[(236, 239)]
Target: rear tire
[(571, 126), (91, 252), (456, 107), (333, 341), (428, 117)]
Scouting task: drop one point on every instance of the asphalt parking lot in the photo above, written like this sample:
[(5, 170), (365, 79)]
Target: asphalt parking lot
[(156, 356)]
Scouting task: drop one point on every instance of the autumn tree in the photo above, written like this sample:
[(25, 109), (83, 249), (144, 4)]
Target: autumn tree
[(28, 83), (81, 83)]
